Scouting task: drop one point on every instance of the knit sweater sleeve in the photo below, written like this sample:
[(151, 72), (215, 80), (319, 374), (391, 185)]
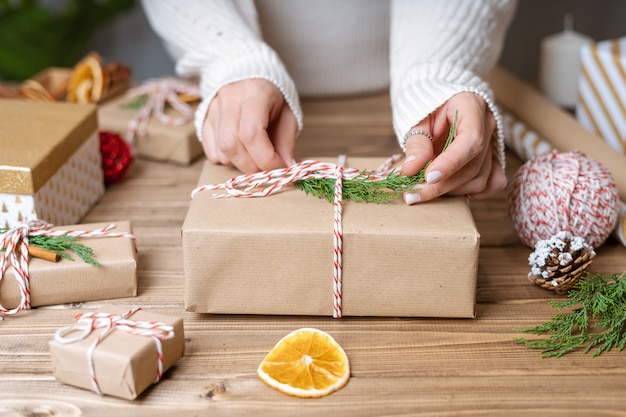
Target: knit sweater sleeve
[(441, 48), (219, 41)]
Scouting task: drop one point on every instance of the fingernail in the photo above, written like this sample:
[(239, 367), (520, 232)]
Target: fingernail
[(412, 198), (409, 158), (433, 177)]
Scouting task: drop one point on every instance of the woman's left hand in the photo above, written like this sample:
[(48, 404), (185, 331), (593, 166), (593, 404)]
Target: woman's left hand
[(468, 166)]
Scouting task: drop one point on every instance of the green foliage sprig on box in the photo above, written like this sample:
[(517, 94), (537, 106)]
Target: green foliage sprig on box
[(34, 36)]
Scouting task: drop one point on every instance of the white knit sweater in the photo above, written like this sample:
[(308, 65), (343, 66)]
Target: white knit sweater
[(425, 51)]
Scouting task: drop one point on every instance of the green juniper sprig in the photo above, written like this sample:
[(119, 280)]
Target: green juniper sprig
[(137, 103), (597, 319), (361, 189), (61, 244)]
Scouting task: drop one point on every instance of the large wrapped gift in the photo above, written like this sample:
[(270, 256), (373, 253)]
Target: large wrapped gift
[(157, 119), (601, 106), (43, 282), (117, 351), (50, 163), (278, 254)]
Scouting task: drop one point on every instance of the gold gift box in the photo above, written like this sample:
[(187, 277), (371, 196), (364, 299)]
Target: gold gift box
[(274, 255), (125, 364), (50, 164)]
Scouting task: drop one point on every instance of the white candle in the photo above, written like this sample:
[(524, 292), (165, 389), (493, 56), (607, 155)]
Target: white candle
[(559, 64)]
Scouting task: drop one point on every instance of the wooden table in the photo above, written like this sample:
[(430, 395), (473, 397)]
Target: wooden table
[(400, 366)]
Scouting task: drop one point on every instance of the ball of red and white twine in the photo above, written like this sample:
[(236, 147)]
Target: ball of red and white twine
[(566, 191)]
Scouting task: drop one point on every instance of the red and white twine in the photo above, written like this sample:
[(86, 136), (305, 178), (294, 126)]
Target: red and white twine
[(266, 183), (565, 191), (15, 242), (160, 92), (86, 323)]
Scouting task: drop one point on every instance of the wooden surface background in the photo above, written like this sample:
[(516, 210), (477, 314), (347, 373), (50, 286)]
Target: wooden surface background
[(400, 366)]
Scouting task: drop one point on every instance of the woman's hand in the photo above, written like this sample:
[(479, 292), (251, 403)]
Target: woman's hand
[(250, 126), (468, 166)]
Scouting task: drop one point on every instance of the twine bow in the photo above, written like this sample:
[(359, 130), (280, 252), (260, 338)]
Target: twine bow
[(159, 93), (16, 243), (266, 183), (86, 323)]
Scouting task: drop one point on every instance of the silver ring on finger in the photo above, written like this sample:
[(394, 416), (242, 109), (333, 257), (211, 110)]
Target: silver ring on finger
[(411, 133)]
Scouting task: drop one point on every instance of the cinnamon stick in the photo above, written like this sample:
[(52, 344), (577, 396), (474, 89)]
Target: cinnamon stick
[(41, 253), (45, 254)]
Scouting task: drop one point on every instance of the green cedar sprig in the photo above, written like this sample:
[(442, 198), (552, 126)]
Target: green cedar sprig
[(597, 318), (361, 189), (137, 103), (61, 244)]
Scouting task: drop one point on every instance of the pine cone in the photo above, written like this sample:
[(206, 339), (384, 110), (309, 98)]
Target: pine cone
[(558, 263)]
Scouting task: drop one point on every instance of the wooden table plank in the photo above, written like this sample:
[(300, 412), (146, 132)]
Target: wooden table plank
[(400, 366)]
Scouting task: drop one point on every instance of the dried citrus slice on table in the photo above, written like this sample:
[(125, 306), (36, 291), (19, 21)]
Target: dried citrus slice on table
[(306, 363)]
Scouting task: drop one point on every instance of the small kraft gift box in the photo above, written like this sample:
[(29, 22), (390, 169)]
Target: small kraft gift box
[(117, 351), (156, 118), (50, 163), (277, 255), (601, 106), (42, 282)]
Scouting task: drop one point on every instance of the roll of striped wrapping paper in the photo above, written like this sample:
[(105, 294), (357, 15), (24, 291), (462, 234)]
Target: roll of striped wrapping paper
[(601, 104), (525, 143)]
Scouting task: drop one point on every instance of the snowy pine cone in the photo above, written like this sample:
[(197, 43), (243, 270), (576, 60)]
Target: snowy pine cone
[(558, 263)]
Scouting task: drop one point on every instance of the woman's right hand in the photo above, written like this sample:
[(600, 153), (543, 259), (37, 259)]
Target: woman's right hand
[(250, 126)]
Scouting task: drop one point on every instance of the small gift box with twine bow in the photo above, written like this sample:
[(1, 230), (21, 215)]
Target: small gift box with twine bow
[(156, 119), (289, 253), (50, 162), (29, 281), (117, 351)]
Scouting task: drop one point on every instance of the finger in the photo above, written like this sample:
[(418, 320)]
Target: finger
[(209, 137), (471, 178), (468, 149), (496, 182), (228, 138), (283, 134), (489, 180), (426, 192), (468, 184), (255, 138), (419, 149)]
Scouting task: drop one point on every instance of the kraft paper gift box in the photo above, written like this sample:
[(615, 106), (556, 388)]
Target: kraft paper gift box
[(274, 255), (162, 142), (123, 364), (50, 163), (601, 106), (68, 281)]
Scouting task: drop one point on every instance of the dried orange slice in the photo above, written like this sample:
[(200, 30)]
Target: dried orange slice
[(306, 363), (88, 81), (188, 98)]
